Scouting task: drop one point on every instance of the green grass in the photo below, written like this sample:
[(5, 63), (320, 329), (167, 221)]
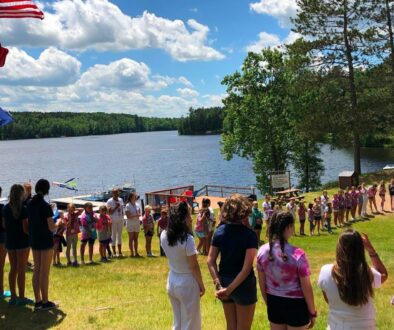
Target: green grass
[(130, 293)]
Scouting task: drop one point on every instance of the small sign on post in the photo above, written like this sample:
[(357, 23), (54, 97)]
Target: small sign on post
[(280, 180)]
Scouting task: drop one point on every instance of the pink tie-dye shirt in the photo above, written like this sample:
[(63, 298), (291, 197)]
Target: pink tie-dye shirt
[(282, 278)]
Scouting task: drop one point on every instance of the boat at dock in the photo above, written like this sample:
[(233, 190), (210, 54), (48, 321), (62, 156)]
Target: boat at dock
[(97, 199)]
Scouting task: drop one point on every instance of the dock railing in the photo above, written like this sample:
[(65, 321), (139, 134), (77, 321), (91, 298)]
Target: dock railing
[(224, 191)]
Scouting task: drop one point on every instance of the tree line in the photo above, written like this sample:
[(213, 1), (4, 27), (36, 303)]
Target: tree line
[(28, 125), (202, 121), (336, 81)]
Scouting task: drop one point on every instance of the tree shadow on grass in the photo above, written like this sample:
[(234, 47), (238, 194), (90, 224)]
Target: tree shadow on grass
[(25, 317)]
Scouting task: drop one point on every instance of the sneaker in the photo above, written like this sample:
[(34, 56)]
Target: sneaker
[(75, 264), (37, 306), (103, 259), (24, 301), (6, 294), (49, 305)]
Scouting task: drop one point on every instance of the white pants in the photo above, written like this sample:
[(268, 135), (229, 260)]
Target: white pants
[(116, 236), (184, 294)]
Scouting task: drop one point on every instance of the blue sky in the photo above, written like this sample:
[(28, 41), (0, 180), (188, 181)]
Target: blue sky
[(149, 57)]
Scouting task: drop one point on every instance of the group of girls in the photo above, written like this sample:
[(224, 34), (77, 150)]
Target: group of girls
[(26, 223), (283, 273)]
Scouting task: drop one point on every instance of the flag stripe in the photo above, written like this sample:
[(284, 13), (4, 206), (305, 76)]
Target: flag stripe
[(19, 9)]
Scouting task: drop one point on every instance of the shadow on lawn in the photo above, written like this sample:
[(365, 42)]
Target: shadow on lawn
[(26, 318)]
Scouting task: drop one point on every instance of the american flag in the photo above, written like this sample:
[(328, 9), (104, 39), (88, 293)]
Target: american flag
[(19, 9)]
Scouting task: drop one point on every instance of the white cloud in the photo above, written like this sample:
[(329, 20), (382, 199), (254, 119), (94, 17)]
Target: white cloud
[(281, 10), (271, 40), (53, 67), (100, 25), (187, 92)]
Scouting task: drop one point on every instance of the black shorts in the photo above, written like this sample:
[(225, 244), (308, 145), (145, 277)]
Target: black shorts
[(106, 241), (258, 226), (90, 240), (317, 217), (148, 234), (291, 311), (245, 294)]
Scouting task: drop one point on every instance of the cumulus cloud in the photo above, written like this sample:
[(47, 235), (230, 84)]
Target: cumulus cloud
[(187, 92), (100, 25), (281, 10), (53, 67), (271, 40)]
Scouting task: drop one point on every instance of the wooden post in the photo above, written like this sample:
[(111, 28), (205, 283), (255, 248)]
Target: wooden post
[(221, 189), (206, 190)]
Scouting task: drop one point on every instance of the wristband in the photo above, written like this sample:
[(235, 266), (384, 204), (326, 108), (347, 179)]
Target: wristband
[(313, 315), (373, 255)]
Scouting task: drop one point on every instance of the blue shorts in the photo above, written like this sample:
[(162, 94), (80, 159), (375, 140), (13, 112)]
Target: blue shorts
[(245, 294)]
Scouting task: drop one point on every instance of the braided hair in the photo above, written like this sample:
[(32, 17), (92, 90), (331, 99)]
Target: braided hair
[(279, 222)]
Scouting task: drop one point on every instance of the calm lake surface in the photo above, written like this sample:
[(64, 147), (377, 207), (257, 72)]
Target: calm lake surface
[(152, 160)]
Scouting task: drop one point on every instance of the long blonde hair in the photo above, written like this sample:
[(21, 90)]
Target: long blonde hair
[(17, 194)]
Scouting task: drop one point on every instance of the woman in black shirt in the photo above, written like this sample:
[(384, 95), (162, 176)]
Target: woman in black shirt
[(41, 227), (235, 280), (391, 191), (17, 243)]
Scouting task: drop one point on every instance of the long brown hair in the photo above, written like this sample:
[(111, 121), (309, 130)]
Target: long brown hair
[(236, 208), (279, 222), (17, 193), (351, 272)]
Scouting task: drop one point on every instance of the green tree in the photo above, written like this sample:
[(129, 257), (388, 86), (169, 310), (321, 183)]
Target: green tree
[(256, 124), (337, 39)]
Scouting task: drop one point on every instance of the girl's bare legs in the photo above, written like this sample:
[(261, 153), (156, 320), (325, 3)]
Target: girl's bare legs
[(336, 219), (3, 254), (22, 256), (42, 265), (148, 244), (135, 241), (13, 273), (392, 202), (382, 200), (347, 215), (131, 247), (91, 245), (230, 312), (374, 203), (245, 316), (36, 275), (82, 252)]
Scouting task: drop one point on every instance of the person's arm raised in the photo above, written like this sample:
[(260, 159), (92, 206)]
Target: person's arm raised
[(375, 259)]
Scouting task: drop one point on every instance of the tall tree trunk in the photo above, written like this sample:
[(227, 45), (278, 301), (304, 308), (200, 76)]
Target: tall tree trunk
[(391, 37), (353, 94)]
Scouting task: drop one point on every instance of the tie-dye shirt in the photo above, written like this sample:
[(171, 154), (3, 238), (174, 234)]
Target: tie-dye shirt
[(282, 278)]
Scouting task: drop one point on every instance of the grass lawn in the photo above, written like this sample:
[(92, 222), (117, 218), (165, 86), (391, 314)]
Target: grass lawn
[(130, 293)]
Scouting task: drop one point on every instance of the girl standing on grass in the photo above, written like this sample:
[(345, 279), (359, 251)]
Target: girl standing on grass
[(335, 208), (149, 229), (372, 197), (354, 198), (317, 217), (58, 240), (104, 230), (235, 281), (342, 208), (327, 216), (162, 225), (348, 204), (133, 213), (364, 193), (185, 286), (257, 220), (348, 284), (200, 230), (360, 202), (41, 227), (302, 216), (17, 244), (311, 219), (391, 191), (72, 224), (382, 194), (284, 278), (89, 233)]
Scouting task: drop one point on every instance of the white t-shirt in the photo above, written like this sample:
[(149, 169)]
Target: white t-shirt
[(133, 209), (177, 255), (266, 208), (342, 315), (292, 209), (118, 215)]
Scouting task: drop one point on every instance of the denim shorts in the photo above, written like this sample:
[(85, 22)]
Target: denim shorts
[(245, 294)]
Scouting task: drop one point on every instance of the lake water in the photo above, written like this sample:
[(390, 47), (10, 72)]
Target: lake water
[(152, 160)]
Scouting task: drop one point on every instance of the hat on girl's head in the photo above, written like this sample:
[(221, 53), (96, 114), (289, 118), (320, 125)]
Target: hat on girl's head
[(3, 55)]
